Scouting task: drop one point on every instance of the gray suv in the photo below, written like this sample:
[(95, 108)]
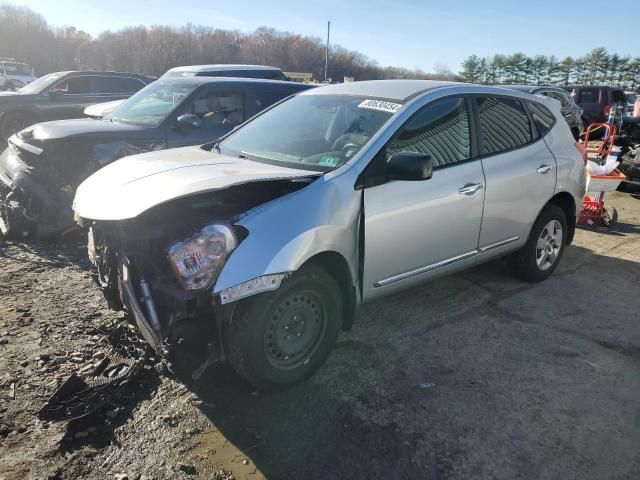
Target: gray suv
[(258, 248)]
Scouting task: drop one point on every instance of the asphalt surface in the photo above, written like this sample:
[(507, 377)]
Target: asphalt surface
[(475, 375)]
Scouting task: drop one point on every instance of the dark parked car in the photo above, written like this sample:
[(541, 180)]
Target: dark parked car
[(45, 163), (63, 95), (99, 110), (597, 101), (571, 112), (227, 70)]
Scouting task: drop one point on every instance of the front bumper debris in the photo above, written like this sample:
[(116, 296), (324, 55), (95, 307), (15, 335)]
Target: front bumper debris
[(78, 397)]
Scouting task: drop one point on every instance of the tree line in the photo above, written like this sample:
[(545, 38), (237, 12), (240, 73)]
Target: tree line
[(597, 67), (26, 36)]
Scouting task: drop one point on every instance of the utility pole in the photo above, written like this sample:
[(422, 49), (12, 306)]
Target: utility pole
[(326, 53)]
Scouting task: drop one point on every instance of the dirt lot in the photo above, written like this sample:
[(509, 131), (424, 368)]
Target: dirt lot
[(472, 376)]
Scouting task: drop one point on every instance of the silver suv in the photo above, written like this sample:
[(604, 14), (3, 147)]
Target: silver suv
[(14, 75), (258, 248)]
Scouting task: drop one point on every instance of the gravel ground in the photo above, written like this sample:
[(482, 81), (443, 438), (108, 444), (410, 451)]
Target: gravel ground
[(475, 375)]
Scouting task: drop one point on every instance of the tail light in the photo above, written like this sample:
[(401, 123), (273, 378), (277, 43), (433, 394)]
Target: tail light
[(607, 110)]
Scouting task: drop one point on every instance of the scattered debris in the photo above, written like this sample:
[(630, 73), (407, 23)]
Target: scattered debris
[(77, 397), (188, 469)]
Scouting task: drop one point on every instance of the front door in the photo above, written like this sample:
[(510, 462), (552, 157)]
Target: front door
[(414, 230), (68, 98)]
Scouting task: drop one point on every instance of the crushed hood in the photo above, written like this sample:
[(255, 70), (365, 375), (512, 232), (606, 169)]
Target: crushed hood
[(132, 185), (42, 133)]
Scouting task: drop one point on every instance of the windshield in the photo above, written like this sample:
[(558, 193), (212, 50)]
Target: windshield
[(17, 69), (40, 84), (151, 105), (321, 131)]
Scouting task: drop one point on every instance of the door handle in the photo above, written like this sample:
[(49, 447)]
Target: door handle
[(470, 188), (542, 169)]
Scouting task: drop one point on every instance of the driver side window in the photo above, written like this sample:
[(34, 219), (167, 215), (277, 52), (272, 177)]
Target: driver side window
[(72, 86), (217, 107), (441, 129)]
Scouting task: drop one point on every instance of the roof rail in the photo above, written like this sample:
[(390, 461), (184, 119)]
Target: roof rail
[(7, 59)]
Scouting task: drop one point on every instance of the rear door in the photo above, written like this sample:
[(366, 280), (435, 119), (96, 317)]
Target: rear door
[(520, 172), (220, 108), (416, 229)]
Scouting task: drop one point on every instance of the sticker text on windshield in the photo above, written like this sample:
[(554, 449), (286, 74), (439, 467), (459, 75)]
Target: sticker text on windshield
[(381, 105)]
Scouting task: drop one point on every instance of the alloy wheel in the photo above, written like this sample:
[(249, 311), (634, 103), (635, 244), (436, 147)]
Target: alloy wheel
[(549, 245)]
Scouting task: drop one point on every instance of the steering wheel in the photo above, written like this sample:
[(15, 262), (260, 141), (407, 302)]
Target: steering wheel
[(352, 140), (350, 146)]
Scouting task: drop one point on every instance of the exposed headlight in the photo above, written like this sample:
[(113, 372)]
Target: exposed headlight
[(198, 260)]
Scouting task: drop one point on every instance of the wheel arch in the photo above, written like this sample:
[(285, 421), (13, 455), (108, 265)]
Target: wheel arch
[(337, 266), (567, 203)]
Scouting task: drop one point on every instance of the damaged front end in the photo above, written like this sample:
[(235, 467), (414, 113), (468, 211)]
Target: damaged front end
[(35, 191), (161, 266), (40, 171), (25, 198)]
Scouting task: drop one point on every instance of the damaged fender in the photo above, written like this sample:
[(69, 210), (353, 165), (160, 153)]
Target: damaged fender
[(289, 231)]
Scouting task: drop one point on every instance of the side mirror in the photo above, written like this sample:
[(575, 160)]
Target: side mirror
[(189, 120), (410, 166)]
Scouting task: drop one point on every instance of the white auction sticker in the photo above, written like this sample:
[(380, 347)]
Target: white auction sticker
[(381, 105)]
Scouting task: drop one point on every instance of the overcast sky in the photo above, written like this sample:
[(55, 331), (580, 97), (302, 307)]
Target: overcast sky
[(408, 34)]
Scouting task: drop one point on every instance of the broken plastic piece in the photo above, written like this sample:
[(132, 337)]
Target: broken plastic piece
[(78, 397)]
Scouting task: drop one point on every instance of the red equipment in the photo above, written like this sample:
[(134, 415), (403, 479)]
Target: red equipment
[(593, 211)]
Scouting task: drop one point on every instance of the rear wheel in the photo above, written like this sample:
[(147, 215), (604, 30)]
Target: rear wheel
[(538, 259), (280, 338), (14, 122)]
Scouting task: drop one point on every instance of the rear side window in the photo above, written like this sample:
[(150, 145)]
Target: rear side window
[(103, 84), (589, 95), (542, 117), (440, 129), (504, 124)]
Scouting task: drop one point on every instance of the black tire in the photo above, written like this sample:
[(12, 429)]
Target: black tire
[(311, 301), (525, 262), (14, 122)]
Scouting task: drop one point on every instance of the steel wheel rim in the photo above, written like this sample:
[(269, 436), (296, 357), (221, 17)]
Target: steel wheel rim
[(294, 330), (549, 245)]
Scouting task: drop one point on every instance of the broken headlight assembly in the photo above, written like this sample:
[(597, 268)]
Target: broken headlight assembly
[(198, 260)]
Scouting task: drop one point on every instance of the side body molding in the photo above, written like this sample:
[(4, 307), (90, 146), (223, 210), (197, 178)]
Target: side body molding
[(285, 233)]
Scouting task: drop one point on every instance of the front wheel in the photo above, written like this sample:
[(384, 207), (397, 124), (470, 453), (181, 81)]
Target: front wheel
[(538, 259), (280, 338)]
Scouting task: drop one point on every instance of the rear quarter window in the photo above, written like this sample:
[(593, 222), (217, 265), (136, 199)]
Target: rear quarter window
[(542, 117)]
